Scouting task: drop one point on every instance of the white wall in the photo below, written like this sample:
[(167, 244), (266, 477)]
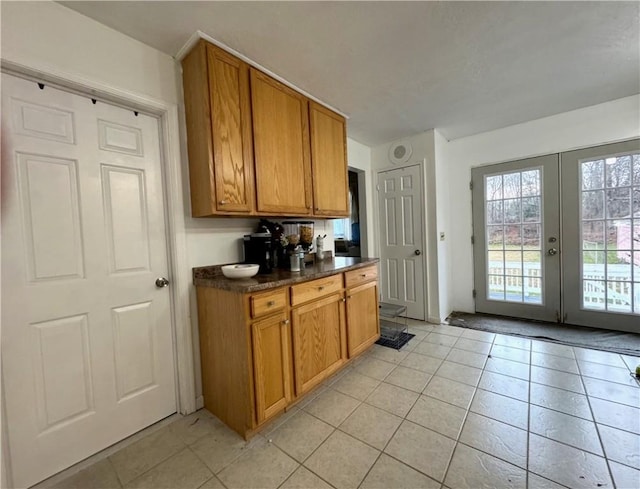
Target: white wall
[(51, 37), (591, 126), (443, 224)]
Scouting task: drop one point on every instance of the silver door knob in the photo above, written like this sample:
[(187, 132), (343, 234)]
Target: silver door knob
[(418, 252), (161, 282), (552, 251)]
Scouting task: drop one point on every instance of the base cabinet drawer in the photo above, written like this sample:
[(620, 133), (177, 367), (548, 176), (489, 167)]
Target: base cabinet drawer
[(354, 278), (315, 289), (268, 302)]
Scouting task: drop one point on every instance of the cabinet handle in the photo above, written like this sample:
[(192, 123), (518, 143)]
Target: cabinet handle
[(286, 321), (363, 275), (271, 303), (348, 297), (223, 202), (321, 287), (344, 300)]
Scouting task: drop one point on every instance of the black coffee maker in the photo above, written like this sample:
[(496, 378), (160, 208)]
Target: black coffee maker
[(259, 249)]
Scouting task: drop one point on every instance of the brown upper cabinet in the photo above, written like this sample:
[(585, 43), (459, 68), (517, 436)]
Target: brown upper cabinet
[(281, 147), (218, 113), (329, 160), (256, 146)]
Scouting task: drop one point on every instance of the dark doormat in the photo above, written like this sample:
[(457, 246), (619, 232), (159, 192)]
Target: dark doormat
[(581, 336), (396, 344)]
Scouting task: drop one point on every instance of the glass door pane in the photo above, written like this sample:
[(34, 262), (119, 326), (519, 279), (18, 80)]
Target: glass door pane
[(513, 203), (513, 220), (601, 219)]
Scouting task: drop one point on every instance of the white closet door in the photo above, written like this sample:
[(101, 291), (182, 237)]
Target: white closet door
[(401, 249), (87, 345)]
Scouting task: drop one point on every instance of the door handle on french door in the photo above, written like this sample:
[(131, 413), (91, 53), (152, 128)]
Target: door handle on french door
[(418, 252), (552, 251), (161, 282)]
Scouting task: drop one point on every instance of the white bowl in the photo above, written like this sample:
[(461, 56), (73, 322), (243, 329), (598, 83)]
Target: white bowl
[(240, 270)]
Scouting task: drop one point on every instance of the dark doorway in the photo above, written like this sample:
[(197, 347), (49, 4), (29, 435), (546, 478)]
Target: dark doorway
[(346, 232)]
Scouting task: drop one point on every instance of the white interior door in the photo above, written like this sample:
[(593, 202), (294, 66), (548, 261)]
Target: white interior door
[(400, 206), (516, 229), (87, 352), (601, 225)]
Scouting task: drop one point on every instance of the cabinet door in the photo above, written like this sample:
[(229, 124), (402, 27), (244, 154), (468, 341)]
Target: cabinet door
[(329, 162), (281, 147), (271, 365), (231, 132), (363, 327), (318, 340)]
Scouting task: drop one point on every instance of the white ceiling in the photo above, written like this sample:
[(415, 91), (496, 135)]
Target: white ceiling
[(400, 68)]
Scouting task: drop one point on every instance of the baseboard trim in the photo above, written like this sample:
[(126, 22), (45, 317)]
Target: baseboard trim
[(199, 402)]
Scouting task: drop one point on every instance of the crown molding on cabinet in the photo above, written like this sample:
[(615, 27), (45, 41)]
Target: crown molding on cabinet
[(196, 36)]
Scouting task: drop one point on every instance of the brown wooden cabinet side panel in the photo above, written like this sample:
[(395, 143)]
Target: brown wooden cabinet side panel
[(198, 118), (317, 341), (363, 326), (281, 147), (231, 131), (225, 358), (329, 162)]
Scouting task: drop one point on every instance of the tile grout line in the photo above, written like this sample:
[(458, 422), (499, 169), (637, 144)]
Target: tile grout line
[(604, 453), (529, 414), (466, 416), (404, 418)]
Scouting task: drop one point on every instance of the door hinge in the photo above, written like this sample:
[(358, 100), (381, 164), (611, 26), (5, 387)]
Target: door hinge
[(471, 185), (473, 240), (474, 293), (558, 317)]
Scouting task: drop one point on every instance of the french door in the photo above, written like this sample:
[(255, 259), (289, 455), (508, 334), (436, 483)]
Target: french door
[(557, 237), (517, 238), (601, 225)]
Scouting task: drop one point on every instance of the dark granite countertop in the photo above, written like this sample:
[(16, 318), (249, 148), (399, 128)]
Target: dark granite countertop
[(211, 276)]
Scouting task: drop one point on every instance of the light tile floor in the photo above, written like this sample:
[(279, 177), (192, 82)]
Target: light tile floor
[(455, 408)]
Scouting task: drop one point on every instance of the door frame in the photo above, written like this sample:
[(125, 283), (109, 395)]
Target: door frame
[(170, 154), (430, 307)]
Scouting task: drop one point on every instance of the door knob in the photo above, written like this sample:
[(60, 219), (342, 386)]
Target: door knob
[(552, 251), (418, 252), (161, 282)]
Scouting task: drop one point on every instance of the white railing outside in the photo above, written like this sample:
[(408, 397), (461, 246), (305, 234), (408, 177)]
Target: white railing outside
[(527, 280)]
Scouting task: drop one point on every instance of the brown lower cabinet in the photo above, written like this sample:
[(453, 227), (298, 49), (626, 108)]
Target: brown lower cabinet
[(362, 311), (271, 365), (261, 352), (319, 340)]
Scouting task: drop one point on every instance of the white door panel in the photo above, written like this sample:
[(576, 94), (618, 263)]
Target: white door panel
[(402, 270), (87, 347)]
